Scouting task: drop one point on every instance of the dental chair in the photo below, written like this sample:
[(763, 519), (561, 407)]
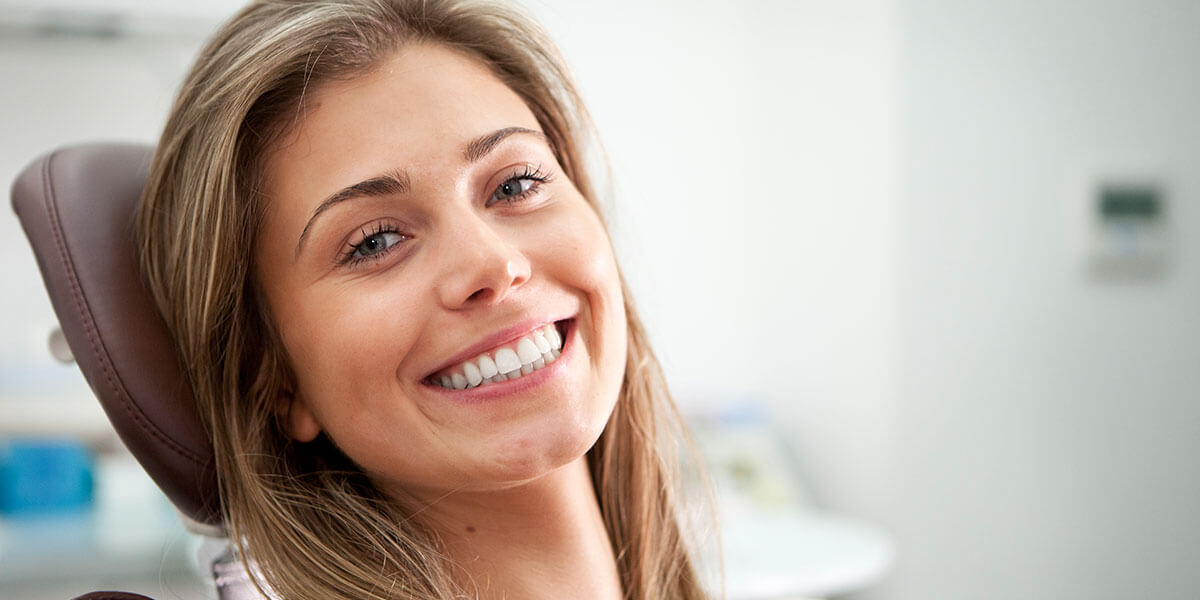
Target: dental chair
[(76, 205)]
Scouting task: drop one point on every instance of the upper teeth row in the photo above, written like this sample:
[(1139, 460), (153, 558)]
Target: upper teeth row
[(532, 352)]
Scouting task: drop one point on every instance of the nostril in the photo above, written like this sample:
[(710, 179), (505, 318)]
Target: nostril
[(479, 295)]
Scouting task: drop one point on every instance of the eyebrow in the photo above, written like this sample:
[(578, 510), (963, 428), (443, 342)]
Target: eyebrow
[(398, 183), (482, 145), (382, 185)]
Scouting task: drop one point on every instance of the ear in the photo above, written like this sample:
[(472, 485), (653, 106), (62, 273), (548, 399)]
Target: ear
[(298, 419)]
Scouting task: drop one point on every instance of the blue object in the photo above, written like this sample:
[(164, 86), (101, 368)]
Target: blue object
[(44, 475)]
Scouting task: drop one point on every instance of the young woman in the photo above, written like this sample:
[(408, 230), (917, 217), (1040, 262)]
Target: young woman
[(371, 228)]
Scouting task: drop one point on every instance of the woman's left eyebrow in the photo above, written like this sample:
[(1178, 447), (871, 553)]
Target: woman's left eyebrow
[(482, 145)]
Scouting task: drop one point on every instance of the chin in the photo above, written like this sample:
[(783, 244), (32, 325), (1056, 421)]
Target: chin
[(542, 448)]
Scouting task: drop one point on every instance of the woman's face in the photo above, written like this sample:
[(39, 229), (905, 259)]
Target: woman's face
[(422, 251)]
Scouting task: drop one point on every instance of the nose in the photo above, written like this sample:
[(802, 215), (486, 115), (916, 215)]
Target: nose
[(481, 266)]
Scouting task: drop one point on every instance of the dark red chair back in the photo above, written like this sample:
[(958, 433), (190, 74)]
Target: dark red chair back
[(76, 205)]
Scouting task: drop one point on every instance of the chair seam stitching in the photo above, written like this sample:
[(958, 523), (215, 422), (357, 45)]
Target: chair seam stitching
[(141, 420)]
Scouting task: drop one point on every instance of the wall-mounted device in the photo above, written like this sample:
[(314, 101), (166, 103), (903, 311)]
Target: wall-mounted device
[(1125, 224)]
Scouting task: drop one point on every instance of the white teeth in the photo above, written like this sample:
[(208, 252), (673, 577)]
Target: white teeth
[(553, 337), (487, 367), (507, 361), (539, 340), (474, 377), (527, 352), (532, 352)]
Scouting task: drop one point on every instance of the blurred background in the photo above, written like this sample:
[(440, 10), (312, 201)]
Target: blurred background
[(924, 273)]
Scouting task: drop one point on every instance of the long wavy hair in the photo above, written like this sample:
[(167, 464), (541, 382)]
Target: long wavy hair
[(313, 524)]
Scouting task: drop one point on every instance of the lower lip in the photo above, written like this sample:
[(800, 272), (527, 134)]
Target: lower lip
[(496, 391)]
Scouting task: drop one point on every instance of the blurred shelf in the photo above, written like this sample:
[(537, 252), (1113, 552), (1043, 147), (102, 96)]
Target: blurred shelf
[(131, 532), (85, 547), (78, 415), (784, 554), (776, 545), (114, 18)]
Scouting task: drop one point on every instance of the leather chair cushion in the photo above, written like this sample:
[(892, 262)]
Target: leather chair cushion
[(76, 205)]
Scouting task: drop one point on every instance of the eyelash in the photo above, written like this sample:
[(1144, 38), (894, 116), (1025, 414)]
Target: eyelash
[(530, 172), (378, 228)]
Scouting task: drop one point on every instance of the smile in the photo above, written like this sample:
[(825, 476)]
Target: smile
[(512, 360)]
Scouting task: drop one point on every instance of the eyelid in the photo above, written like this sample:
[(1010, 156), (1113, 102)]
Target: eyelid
[(524, 170), (346, 251)]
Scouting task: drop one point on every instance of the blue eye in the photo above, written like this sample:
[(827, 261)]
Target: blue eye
[(519, 186), (373, 245), (513, 188), (377, 243)]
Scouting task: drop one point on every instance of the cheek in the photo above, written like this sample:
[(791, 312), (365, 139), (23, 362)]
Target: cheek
[(347, 351), (584, 261), (582, 256), (343, 340)]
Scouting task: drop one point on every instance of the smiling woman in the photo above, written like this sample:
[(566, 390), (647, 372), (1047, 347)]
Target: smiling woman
[(461, 260), (369, 228)]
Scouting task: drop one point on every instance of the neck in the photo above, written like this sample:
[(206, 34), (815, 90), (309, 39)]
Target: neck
[(542, 539)]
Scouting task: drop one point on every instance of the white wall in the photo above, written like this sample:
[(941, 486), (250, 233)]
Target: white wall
[(755, 153), (1049, 422)]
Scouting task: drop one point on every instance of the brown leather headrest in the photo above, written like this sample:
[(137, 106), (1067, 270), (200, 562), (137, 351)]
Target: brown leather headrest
[(76, 205)]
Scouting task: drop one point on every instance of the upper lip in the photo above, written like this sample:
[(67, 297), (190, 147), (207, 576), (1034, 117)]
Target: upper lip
[(492, 340)]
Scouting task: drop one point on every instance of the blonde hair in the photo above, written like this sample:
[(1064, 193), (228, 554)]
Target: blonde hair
[(313, 523)]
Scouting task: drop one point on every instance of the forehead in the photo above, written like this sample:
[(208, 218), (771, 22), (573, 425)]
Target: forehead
[(418, 108)]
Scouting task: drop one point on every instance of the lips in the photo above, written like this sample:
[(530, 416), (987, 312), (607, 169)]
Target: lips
[(512, 359)]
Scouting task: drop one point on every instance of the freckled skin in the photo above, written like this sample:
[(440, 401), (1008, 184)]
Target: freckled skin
[(361, 337)]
